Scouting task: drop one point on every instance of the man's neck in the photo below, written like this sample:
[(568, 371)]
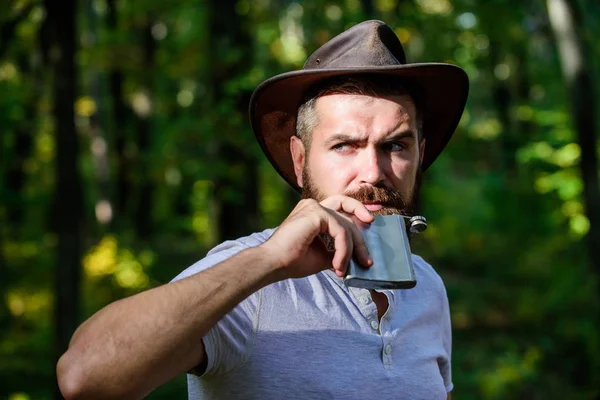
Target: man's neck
[(381, 302)]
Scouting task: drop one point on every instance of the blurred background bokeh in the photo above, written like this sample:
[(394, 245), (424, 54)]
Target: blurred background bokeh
[(126, 154)]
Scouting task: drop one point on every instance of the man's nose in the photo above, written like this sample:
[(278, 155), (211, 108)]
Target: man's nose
[(370, 169)]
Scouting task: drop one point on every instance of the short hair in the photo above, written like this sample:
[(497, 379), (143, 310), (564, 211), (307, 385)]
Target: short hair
[(370, 85)]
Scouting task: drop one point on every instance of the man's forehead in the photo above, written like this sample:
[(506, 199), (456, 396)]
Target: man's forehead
[(346, 108)]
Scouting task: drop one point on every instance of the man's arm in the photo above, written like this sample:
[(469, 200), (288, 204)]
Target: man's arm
[(138, 343)]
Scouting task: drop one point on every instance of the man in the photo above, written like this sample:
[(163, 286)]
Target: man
[(268, 316)]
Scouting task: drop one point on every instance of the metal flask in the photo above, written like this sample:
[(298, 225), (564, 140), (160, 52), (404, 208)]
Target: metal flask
[(388, 244)]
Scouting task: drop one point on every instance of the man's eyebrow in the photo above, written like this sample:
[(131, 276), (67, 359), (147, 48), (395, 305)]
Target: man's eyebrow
[(346, 138), (342, 137), (404, 134)]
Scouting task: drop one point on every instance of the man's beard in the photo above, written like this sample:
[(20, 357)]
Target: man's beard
[(392, 200)]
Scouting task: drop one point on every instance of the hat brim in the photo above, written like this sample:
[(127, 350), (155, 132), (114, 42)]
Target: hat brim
[(441, 91)]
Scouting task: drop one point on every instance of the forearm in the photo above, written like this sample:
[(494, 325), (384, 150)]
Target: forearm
[(138, 343)]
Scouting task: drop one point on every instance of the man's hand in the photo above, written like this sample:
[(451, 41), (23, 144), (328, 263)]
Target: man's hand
[(296, 245)]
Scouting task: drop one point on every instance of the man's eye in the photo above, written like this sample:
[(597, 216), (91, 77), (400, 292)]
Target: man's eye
[(341, 147), (394, 146)]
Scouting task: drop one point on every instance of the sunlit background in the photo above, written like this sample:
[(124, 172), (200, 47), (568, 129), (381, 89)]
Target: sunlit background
[(117, 174)]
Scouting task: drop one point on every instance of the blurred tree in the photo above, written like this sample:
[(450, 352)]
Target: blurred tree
[(18, 148), (91, 107), (567, 25), (144, 176), (14, 170), (166, 85), (120, 124), (9, 26), (68, 196), (236, 187)]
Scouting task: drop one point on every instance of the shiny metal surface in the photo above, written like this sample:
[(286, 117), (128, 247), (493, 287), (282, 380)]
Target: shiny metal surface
[(388, 245)]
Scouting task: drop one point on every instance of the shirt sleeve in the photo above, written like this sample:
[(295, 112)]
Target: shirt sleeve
[(445, 363), (228, 344)]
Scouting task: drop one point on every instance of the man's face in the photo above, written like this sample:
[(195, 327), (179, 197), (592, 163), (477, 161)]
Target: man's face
[(366, 148)]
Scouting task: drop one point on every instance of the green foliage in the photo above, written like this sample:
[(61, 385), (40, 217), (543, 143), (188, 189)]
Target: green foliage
[(507, 225)]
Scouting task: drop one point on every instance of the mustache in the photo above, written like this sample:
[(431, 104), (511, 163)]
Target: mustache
[(379, 194), (392, 200)]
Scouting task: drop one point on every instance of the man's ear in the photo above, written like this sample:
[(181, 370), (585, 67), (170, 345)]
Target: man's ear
[(421, 150), (298, 156)]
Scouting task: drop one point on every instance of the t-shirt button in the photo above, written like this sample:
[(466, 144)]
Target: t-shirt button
[(364, 300), (388, 349), (374, 325)]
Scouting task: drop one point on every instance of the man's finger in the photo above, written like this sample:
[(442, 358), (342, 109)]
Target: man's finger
[(348, 205), (356, 242), (360, 247), (343, 247)]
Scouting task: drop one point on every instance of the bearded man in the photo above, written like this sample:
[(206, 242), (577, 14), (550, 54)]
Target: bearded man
[(268, 316)]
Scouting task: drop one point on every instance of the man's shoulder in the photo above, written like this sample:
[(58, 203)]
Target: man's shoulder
[(225, 250), (245, 242), (425, 272)]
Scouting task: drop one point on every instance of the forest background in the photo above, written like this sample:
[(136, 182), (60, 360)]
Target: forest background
[(126, 153)]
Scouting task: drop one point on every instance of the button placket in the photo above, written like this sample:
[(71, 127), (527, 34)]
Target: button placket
[(366, 306), (386, 354), (374, 324), (387, 349)]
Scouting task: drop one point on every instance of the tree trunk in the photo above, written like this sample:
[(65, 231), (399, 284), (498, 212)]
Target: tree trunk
[(143, 212), (120, 117), (68, 196), (236, 188), (566, 24)]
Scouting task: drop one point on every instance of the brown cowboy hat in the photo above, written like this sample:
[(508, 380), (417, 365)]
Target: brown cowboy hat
[(370, 47)]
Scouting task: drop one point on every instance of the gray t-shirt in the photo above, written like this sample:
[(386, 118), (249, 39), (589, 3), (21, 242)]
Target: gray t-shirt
[(315, 338)]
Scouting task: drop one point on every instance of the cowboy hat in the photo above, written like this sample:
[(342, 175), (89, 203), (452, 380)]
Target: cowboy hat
[(370, 47)]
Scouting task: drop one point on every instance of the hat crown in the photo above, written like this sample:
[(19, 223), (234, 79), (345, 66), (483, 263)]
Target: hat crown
[(368, 44)]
